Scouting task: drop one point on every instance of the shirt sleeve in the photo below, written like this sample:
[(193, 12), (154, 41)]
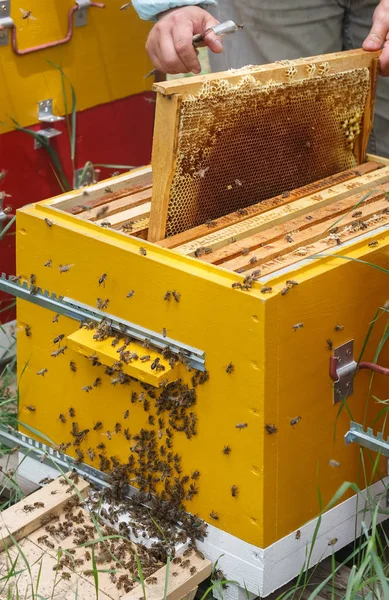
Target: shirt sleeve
[(149, 9)]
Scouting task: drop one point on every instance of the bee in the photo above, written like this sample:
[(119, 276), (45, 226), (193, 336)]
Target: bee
[(338, 327), (126, 414), (155, 363), (230, 368), (234, 491), (226, 450), (329, 345), (109, 435), (97, 382), (214, 515), (298, 326), (289, 238), (130, 294), (373, 243), (176, 296), (266, 289), (87, 388), (210, 224), (253, 260), (334, 463), (105, 224), (28, 508), (128, 226), (285, 194), (143, 251), (167, 296), (298, 534), (145, 358), (125, 6), (62, 418), (291, 282), (91, 454), (33, 279), (101, 446), (332, 542), (185, 563), (72, 412), (55, 318), (59, 351), (133, 397), (175, 573), (65, 574), (59, 337), (80, 456), (241, 425), (102, 279), (73, 366), (151, 580), (118, 428), (42, 372), (151, 420), (271, 428), (39, 505), (127, 434), (101, 212), (195, 475), (48, 263), (48, 222), (164, 332), (31, 408), (27, 330), (98, 426), (65, 268), (102, 304), (285, 290), (108, 190), (357, 213), (295, 421)]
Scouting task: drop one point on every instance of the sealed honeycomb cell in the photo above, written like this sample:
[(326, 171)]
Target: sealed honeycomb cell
[(243, 143)]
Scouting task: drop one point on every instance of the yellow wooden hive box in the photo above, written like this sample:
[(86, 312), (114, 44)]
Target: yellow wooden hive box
[(250, 299)]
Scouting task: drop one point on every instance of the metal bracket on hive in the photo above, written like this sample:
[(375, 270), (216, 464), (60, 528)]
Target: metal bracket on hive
[(45, 115), (5, 21), (82, 13), (82, 312), (367, 439), (343, 368)]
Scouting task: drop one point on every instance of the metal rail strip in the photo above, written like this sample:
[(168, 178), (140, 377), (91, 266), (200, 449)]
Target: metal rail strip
[(82, 312)]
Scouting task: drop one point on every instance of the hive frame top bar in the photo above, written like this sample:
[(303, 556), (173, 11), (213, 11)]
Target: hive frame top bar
[(338, 61)]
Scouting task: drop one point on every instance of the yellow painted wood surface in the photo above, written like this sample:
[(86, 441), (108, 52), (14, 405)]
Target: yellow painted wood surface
[(279, 373), (105, 60)]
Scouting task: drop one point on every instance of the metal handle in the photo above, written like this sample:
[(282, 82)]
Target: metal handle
[(363, 365), (65, 40)]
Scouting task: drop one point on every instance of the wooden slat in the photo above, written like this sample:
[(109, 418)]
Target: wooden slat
[(304, 237), (179, 585), (372, 181), (131, 182), (16, 522), (317, 247), (275, 72), (368, 115), (264, 205), (139, 212), (115, 206), (327, 216), (165, 140)]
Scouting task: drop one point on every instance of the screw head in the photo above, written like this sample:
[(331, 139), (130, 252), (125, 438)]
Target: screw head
[(3, 7)]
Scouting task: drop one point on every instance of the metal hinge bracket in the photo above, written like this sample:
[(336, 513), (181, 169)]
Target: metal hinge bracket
[(344, 367), (5, 21), (45, 115), (82, 13)]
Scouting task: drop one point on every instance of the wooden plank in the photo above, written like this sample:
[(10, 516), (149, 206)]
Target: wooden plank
[(368, 115), (180, 580), (41, 576), (309, 235), (255, 244), (89, 209), (17, 521), (264, 205), (141, 211), (275, 72), (134, 180), (373, 181), (316, 248), (124, 203), (165, 142)]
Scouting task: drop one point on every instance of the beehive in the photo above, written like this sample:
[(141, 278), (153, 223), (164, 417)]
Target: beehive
[(259, 296)]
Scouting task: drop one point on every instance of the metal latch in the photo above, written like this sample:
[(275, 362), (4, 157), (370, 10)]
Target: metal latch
[(82, 12), (45, 115), (367, 439), (343, 368), (5, 21)]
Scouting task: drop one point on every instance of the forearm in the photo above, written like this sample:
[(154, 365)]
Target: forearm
[(149, 9)]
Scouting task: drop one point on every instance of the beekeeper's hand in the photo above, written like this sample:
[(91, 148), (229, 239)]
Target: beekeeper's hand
[(379, 35)]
